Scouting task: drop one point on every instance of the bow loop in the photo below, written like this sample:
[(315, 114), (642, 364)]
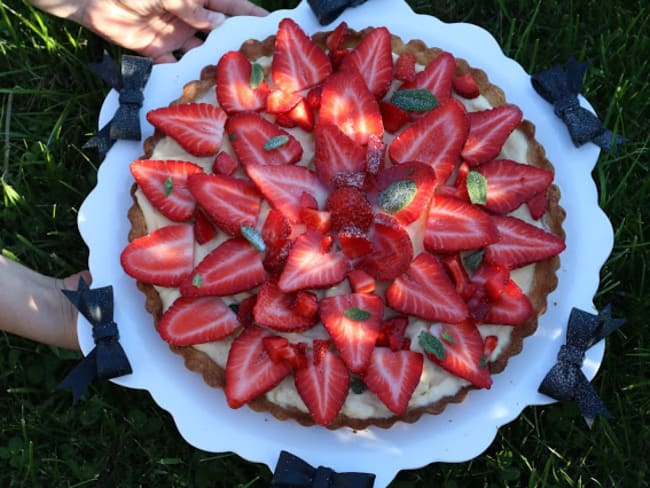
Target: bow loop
[(561, 87), (129, 80), (293, 472), (566, 381), (327, 11), (107, 359)]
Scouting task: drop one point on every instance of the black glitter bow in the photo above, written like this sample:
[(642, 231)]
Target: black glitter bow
[(293, 472), (129, 80), (566, 381), (107, 360), (560, 88), (328, 10)]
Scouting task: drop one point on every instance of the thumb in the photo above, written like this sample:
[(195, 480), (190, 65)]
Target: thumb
[(194, 15)]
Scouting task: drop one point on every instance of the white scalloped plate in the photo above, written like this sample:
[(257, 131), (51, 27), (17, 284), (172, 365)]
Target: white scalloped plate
[(460, 433)]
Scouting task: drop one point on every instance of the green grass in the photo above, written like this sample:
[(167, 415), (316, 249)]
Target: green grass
[(49, 102)]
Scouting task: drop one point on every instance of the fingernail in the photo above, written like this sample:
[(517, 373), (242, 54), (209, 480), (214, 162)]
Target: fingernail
[(216, 19)]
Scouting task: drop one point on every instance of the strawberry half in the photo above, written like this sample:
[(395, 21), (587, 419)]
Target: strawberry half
[(256, 140), (393, 376), (458, 348), (437, 77), (405, 67), (312, 263), (250, 371), (373, 57), (235, 92), (204, 231), (349, 207), (488, 131), (164, 183), (465, 86), (197, 127), (509, 184), (230, 202), (232, 267), (281, 350), (274, 309), (336, 154), (284, 186), (197, 320), (456, 225), (323, 384), (347, 103), (298, 62), (392, 249), (164, 257), (436, 139), (521, 243), (353, 322), (404, 190), (426, 291)]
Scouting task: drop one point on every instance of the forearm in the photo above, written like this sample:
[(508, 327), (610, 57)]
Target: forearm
[(32, 306)]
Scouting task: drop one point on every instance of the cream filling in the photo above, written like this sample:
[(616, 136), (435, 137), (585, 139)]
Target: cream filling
[(435, 383)]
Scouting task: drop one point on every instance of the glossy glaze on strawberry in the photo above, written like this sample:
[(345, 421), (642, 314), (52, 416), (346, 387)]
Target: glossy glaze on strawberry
[(329, 238)]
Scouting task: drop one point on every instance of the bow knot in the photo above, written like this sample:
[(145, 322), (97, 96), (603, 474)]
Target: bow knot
[(293, 472), (129, 80), (108, 359), (561, 88), (566, 381)]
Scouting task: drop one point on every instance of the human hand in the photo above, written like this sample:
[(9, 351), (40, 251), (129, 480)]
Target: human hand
[(152, 28)]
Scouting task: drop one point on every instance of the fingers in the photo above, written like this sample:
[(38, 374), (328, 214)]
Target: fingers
[(235, 7), (194, 14)]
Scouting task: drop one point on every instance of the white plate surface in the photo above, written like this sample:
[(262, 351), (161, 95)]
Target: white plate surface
[(462, 431)]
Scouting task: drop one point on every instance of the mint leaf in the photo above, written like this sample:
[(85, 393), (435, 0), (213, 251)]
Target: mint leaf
[(197, 280), (397, 196), (253, 236), (476, 188), (432, 345), (415, 100), (276, 142), (168, 186), (257, 75), (472, 260), (357, 314)]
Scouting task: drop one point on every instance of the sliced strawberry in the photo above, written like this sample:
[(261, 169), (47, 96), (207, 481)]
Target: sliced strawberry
[(302, 115), (392, 249), (298, 62), (454, 266), (436, 139), (354, 242), (250, 371), (375, 151), (392, 333), (404, 190), (437, 77), (521, 243), (393, 117), (197, 127), (347, 103), (230, 202), (335, 43), (224, 164), (456, 225), (280, 349), (512, 307), (256, 140), (537, 205), (164, 183), (393, 376), (487, 284), (197, 320), (318, 220), (245, 310), (312, 263), (275, 230), (353, 322), (488, 131), (458, 348), (426, 291), (323, 384), (283, 187), (405, 67), (164, 257), (280, 101), (232, 267), (305, 304), (361, 282), (349, 208), (490, 343), (335, 153), (373, 57), (313, 97), (465, 86), (235, 92), (274, 310), (509, 184), (204, 231)]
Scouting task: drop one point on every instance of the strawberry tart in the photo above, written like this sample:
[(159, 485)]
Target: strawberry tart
[(344, 229)]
